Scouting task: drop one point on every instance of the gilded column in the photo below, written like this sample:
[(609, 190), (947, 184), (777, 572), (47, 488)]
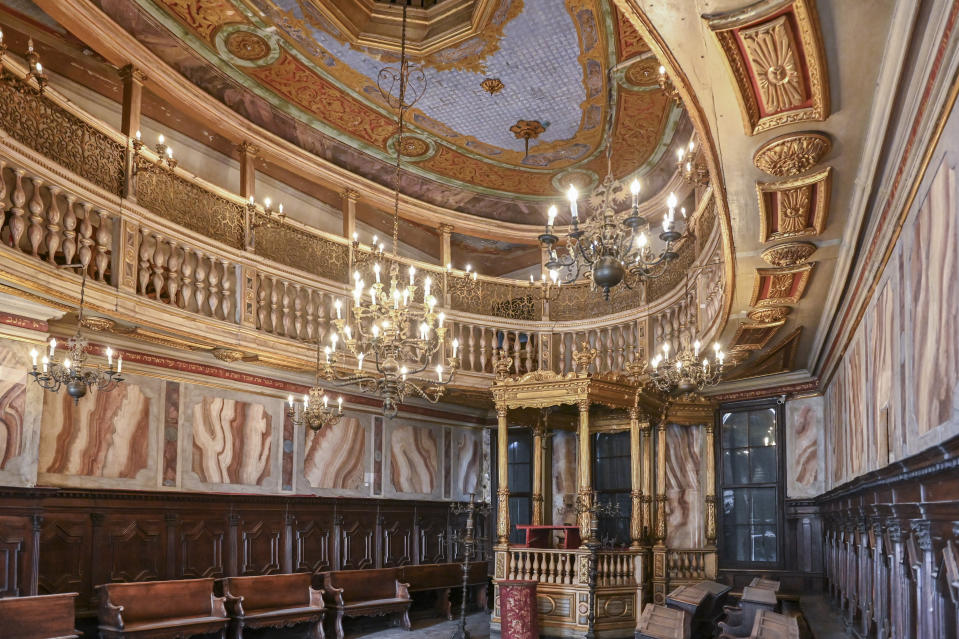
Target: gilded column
[(710, 486), (660, 571), (636, 479), (646, 499), (349, 198), (539, 436), (584, 476), (502, 493)]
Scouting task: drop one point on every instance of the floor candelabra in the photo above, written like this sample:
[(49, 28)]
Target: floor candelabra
[(469, 542)]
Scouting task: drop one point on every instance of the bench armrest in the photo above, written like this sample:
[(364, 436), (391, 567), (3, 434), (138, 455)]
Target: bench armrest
[(316, 598), (217, 606), (234, 604), (402, 590), (109, 614), (331, 591)]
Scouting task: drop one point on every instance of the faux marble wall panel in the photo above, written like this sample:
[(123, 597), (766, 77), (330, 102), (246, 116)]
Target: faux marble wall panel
[(414, 459), (858, 430), (564, 475), (232, 441), (336, 458), (836, 427), (684, 498), (933, 270), (882, 340), (467, 462), (804, 430), (20, 410), (105, 436)]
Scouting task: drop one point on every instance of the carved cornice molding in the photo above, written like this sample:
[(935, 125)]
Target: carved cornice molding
[(789, 254), (792, 154)]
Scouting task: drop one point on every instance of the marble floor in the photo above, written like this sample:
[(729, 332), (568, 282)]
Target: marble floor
[(477, 624)]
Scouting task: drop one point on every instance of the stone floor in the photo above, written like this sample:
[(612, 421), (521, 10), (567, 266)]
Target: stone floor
[(477, 624), (823, 620)]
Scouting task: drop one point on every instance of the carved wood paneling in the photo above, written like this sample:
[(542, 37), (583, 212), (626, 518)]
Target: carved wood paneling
[(14, 541), (135, 549), (260, 541), (396, 537), (312, 545), (200, 547)]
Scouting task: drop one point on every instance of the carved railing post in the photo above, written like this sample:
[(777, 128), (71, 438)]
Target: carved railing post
[(584, 483), (502, 492), (18, 198), (539, 439), (636, 480)]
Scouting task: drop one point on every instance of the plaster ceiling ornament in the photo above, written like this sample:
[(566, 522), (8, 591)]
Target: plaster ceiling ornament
[(492, 85), (789, 254), (794, 208), (317, 87), (776, 286), (754, 336), (781, 358), (792, 154), (768, 314), (98, 324), (776, 59), (228, 355)]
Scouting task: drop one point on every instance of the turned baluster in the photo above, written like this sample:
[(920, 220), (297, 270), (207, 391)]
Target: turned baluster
[(228, 303), (158, 277), (551, 569), (530, 352), (202, 270), (562, 353), (173, 272), (86, 237), (187, 301), (53, 238), (104, 238), (69, 230), (287, 313), (276, 294), (310, 329), (17, 198), (482, 349), (213, 287), (35, 232), (517, 362), (511, 564), (262, 305), (143, 276)]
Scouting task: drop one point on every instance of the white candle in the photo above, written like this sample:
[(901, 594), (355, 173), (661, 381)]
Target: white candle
[(267, 202), (376, 331), (439, 373), (326, 354), (338, 305), (349, 332), (326, 402), (66, 363), (290, 400), (441, 318), (334, 338), (34, 354), (109, 357), (551, 215), (572, 194), (403, 372), (412, 273), (456, 346), (120, 364), (306, 401), (53, 345), (356, 236), (161, 139), (696, 346), (427, 283), (169, 152), (138, 135), (339, 404), (359, 361), (376, 271), (45, 361), (634, 187), (424, 331)]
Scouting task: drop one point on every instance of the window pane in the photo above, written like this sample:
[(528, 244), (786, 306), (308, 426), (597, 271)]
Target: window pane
[(764, 465), (764, 543), (763, 505), (735, 429), (519, 512), (762, 427), (736, 466)]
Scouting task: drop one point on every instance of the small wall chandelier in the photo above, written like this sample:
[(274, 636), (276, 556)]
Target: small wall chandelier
[(73, 371), (394, 327), (34, 70), (315, 411)]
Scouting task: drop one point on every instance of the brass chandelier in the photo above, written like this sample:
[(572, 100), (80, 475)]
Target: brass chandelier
[(315, 411), (394, 326)]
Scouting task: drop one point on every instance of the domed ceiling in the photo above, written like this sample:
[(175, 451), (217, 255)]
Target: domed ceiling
[(496, 69)]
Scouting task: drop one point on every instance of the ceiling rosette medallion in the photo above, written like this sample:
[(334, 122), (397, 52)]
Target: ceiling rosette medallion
[(775, 56), (789, 254), (794, 208), (768, 314), (777, 286), (793, 154), (754, 336)]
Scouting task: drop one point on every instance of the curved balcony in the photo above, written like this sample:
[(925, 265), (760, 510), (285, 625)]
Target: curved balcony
[(169, 262)]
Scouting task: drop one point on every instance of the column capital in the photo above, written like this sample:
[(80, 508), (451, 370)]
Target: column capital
[(247, 148), (501, 411), (350, 194), (584, 405), (445, 228), (130, 72)]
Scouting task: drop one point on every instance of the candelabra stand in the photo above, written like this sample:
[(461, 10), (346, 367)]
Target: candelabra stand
[(469, 540), (595, 510)]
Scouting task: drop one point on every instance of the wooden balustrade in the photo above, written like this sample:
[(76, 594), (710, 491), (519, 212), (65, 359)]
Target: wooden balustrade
[(691, 565), (555, 566)]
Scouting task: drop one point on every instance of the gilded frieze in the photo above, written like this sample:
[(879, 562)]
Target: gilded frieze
[(777, 63), (776, 286), (794, 208), (793, 154), (789, 254)]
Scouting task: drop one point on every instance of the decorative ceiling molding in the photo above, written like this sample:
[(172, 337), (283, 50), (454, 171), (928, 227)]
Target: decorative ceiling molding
[(752, 337), (792, 154), (768, 314), (776, 286), (779, 359), (794, 208), (789, 254), (775, 55)]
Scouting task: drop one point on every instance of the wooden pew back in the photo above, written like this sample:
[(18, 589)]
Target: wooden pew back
[(42, 617), (269, 592), (364, 585), (158, 600)]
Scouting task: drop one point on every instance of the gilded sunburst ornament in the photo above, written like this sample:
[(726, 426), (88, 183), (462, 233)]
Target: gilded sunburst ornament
[(772, 54), (794, 210), (789, 254), (791, 155)]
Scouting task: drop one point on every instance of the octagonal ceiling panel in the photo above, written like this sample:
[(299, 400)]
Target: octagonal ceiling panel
[(298, 69)]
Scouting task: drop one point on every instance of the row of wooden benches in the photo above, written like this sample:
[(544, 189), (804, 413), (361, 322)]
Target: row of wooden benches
[(185, 607), (696, 610)]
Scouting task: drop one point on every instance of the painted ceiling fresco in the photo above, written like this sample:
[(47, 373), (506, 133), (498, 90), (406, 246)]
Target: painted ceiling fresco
[(287, 67)]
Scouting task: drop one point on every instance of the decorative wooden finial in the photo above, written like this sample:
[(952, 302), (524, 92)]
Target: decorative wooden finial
[(584, 356), (502, 364)]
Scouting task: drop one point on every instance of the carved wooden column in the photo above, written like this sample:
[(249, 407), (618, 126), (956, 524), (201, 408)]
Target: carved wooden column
[(584, 479), (502, 493), (924, 566), (539, 438), (636, 481), (646, 503), (446, 251), (660, 576), (898, 603), (712, 565), (248, 153), (133, 79), (348, 200)]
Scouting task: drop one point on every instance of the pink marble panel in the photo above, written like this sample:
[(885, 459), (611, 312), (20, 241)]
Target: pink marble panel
[(804, 423), (933, 269), (414, 460), (336, 457), (232, 441), (467, 462), (881, 343), (13, 398), (684, 500), (857, 427), (103, 435), (835, 428), (564, 476)]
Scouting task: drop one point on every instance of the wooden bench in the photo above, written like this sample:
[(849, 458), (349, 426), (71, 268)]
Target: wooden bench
[(739, 620), (154, 609), (703, 601), (772, 625), (366, 593), (42, 617), (273, 601), (660, 622), (447, 577)]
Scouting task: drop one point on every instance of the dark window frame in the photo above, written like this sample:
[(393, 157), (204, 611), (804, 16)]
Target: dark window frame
[(741, 407), (512, 435), (624, 491)]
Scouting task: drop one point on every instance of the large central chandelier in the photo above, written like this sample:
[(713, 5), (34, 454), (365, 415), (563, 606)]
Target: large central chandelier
[(394, 331)]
